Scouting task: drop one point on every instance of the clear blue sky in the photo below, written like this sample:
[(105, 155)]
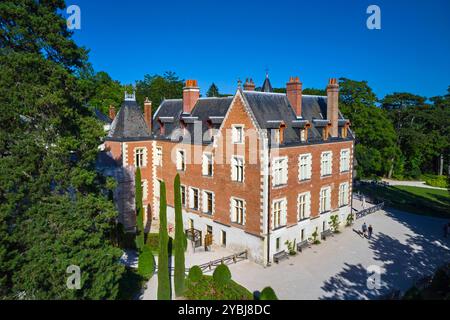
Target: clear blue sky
[(219, 42)]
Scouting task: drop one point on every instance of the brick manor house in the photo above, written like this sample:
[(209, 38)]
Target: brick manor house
[(302, 141)]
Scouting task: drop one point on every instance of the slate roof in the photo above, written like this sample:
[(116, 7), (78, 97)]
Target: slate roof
[(270, 110), (101, 116), (129, 124), (267, 87)]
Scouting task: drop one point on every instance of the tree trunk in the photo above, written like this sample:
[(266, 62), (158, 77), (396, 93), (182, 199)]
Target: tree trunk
[(391, 170), (441, 164)]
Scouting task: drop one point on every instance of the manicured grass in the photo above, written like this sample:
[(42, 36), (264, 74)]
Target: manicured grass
[(423, 201), (206, 289)]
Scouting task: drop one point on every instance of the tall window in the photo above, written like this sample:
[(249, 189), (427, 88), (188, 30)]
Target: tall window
[(280, 174), (304, 205), (238, 134), (345, 160), (183, 196), (343, 194), (139, 160), (181, 160), (325, 200), (194, 198), (208, 202), (159, 156), (207, 164), (326, 165), (237, 169), (237, 211), (279, 213), (305, 161)]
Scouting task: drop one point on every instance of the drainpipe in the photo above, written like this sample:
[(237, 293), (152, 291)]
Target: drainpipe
[(268, 206)]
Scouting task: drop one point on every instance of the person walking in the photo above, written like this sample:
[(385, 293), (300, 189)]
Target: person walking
[(370, 231), (364, 229)]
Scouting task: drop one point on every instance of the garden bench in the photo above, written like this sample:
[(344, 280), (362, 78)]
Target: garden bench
[(302, 245), (326, 234), (280, 256)]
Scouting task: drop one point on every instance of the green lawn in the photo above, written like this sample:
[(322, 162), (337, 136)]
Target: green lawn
[(423, 201), (206, 289)]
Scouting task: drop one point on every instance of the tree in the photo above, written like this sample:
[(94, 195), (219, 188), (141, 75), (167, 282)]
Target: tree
[(376, 149), (213, 91), (159, 87), (180, 268), (140, 236), (163, 256), (54, 209), (268, 294)]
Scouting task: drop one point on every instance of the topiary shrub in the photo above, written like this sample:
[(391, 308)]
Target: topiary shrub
[(268, 294), (195, 274), (146, 263), (222, 275)]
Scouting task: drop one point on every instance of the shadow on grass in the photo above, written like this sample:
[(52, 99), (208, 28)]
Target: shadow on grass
[(431, 203)]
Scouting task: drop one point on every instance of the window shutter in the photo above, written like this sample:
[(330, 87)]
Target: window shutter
[(321, 164), (144, 160), (191, 198), (205, 202), (330, 171), (283, 213), (328, 204), (285, 171), (144, 189), (309, 166), (205, 165), (233, 169)]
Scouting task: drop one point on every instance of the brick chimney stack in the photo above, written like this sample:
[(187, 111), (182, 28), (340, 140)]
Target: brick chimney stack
[(249, 85), (112, 112), (191, 94), (294, 95), (148, 113), (333, 105)]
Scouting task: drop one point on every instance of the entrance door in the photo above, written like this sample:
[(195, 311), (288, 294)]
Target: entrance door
[(302, 235)]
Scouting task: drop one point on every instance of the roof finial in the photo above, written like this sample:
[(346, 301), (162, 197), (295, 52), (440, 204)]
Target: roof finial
[(239, 83), (267, 73)]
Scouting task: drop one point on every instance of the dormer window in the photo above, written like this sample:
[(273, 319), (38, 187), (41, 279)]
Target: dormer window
[(303, 135), (344, 132), (161, 127), (276, 136), (325, 132)]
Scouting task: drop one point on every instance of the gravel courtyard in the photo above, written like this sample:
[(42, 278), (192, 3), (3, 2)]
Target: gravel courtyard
[(404, 247)]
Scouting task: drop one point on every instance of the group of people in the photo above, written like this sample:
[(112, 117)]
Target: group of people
[(367, 231)]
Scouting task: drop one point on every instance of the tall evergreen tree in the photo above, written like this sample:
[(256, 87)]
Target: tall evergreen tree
[(180, 268), (163, 256), (213, 91), (54, 211), (140, 237)]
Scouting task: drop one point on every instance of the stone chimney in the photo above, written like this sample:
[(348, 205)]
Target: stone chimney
[(191, 94), (333, 106), (294, 95), (249, 85), (112, 112), (148, 113)]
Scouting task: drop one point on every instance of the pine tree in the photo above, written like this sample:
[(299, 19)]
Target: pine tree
[(139, 211), (213, 91), (179, 241), (163, 257)]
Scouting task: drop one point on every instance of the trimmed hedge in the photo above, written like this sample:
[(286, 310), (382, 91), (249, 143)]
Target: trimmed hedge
[(268, 294), (146, 265), (222, 275), (195, 274)]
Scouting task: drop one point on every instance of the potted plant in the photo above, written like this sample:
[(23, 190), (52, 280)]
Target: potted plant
[(334, 223), (315, 236), (350, 219), (291, 247)]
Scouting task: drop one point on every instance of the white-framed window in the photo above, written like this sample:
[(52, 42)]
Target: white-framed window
[(238, 134), (207, 164), (280, 171), (325, 200), (237, 211), (144, 189), (159, 157), (140, 157), (181, 160), (345, 160), (183, 195), (326, 163), (276, 138), (302, 135), (304, 166), (237, 168), (208, 202), (279, 213), (343, 194), (304, 206), (157, 188), (194, 198)]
